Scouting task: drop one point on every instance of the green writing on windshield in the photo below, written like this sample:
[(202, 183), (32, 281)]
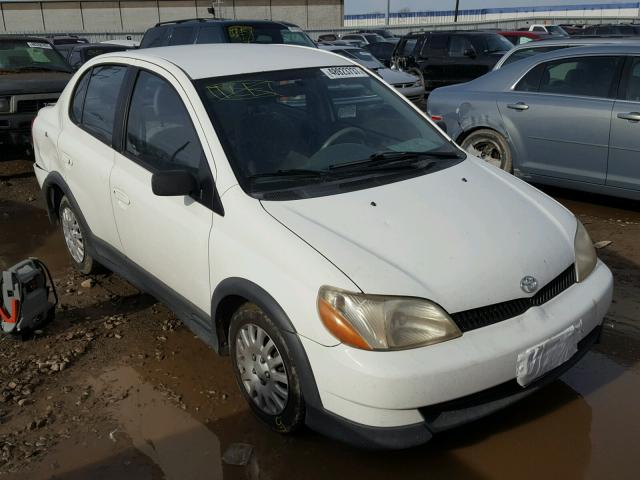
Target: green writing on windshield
[(242, 90)]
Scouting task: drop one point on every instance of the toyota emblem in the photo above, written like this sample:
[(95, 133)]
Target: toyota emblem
[(529, 284)]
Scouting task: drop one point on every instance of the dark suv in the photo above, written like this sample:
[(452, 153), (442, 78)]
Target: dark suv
[(32, 74), (447, 58), (210, 30)]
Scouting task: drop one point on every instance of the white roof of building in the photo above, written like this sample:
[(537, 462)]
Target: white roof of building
[(222, 59)]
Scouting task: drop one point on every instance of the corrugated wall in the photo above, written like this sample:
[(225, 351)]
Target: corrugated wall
[(138, 15)]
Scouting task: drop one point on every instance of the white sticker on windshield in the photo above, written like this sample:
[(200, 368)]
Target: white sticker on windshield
[(343, 72), (39, 45)]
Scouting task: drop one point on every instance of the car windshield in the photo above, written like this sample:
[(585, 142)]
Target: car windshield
[(556, 30), (496, 43), (23, 55), (317, 129), (360, 55), (268, 34)]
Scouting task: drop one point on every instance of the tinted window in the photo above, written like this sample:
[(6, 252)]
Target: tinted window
[(153, 38), (159, 129), (78, 98), (633, 85), (210, 35), (101, 100), (458, 45), (538, 29), (435, 45), (588, 76), (75, 59), (531, 81), (182, 36), (268, 33), (409, 46)]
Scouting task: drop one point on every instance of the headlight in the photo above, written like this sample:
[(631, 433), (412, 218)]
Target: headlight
[(586, 257), (379, 322), (5, 104)]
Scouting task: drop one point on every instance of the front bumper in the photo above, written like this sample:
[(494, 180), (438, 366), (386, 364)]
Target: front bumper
[(15, 129), (414, 393)]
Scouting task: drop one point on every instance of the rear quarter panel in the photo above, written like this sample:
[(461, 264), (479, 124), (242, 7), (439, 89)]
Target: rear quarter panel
[(46, 129)]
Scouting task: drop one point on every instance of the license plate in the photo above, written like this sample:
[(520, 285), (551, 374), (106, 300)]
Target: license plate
[(544, 357)]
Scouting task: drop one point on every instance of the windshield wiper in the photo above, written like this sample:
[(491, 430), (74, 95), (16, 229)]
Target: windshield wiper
[(387, 158)]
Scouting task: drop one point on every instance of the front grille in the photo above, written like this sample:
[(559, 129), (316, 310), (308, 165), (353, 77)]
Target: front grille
[(32, 106), (484, 316)]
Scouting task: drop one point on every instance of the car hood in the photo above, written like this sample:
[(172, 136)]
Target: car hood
[(394, 77), (463, 237), (33, 82)]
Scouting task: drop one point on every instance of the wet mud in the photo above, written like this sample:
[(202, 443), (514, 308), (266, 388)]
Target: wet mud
[(148, 400)]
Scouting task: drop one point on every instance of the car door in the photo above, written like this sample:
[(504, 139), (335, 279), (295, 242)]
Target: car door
[(624, 148), (434, 60), (166, 237), (85, 146), (559, 115), (461, 63)]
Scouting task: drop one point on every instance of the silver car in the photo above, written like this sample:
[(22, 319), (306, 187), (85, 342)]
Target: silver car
[(409, 85), (569, 118)]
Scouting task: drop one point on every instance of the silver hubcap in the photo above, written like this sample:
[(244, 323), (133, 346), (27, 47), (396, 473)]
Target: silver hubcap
[(486, 149), (72, 235), (262, 369)]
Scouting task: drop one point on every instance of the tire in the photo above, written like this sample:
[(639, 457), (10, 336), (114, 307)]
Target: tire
[(490, 146), (262, 364), (75, 238)]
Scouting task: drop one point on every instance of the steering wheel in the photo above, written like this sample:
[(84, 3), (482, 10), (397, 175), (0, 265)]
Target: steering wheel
[(341, 133)]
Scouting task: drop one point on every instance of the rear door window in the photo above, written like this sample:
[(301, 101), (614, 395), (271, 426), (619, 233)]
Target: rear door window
[(585, 76), (458, 45), (154, 37), (101, 99), (77, 101), (436, 45)]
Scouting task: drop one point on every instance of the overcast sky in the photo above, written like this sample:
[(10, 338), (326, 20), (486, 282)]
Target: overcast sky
[(370, 6)]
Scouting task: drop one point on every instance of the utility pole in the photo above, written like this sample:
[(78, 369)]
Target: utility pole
[(455, 17), (388, 11)]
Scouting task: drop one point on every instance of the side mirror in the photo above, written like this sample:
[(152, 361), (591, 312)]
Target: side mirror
[(173, 183), (470, 52)]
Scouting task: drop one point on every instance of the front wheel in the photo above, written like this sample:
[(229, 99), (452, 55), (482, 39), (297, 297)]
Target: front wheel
[(490, 146), (265, 370)]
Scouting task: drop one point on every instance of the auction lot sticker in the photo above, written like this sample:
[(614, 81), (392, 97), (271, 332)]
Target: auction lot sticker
[(343, 72), (39, 45)]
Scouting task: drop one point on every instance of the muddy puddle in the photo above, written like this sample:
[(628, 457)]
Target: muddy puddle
[(25, 231)]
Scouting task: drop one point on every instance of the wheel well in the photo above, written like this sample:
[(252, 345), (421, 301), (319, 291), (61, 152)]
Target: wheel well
[(466, 133), (224, 312), (54, 197)]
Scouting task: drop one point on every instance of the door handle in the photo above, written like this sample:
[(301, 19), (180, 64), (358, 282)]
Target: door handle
[(122, 197), (631, 116), (520, 106)]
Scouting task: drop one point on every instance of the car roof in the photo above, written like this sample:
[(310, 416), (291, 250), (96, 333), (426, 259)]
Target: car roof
[(508, 74), (222, 21), (232, 59), (576, 41), (457, 32), (25, 38)]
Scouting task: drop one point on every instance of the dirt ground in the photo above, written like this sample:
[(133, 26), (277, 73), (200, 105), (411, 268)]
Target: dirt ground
[(117, 388)]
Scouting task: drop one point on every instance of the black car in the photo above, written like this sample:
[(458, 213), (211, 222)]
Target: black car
[(66, 39), (623, 30), (446, 58), (32, 74), (80, 53), (383, 51), (388, 35), (211, 30)]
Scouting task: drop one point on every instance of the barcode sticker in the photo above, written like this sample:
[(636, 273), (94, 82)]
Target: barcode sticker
[(343, 72)]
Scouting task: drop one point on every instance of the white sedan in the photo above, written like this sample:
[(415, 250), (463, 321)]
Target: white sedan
[(367, 277)]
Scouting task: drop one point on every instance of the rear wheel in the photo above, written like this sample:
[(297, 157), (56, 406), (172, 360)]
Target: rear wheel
[(75, 238), (265, 371), (490, 146)]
